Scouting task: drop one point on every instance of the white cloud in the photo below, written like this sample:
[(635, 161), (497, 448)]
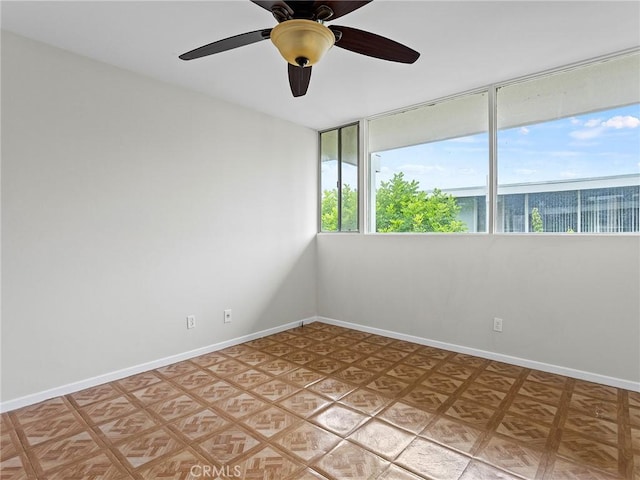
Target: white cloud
[(524, 130), (575, 121), (525, 171), (622, 122), (418, 169), (594, 122), (587, 133), (568, 174)]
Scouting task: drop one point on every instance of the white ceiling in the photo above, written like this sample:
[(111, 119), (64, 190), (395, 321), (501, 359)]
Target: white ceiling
[(464, 45)]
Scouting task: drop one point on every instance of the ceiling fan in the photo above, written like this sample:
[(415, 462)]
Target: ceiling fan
[(302, 37)]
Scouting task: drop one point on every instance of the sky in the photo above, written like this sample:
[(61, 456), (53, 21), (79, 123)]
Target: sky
[(596, 144)]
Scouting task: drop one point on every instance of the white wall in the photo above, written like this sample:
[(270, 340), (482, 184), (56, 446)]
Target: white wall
[(571, 302), (128, 204)]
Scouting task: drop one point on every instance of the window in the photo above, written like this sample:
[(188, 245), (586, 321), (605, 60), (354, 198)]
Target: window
[(569, 150), (339, 179), (429, 167)]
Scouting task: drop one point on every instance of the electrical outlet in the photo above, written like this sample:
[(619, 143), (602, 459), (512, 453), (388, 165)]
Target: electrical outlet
[(227, 315), (497, 324), (191, 321)]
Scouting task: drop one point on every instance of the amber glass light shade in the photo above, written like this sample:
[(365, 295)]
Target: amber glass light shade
[(302, 42)]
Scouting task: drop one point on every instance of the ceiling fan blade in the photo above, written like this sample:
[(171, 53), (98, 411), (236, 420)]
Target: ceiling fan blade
[(227, 44), (373, 45), (269, 4), (340, 7), (299, 78)]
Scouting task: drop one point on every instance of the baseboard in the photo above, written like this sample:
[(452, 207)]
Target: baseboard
[(144, 367), (522, 362)]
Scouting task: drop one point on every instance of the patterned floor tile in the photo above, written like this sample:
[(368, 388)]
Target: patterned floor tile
[(351, 462), (183, 465), (268, 464), (304, 403), (325, 365), (455, 370), (373, 364), (424, 398), (225, 446), (265, 410), (382, 438), (277, 367), (432, 460), (275, 389), (199, 424), (14, 469), (453, 434), (308, 441), (52, 427), (332, 388), (422, 361), (396, 473), (530, 408), (346, 355), (511, 456), (481, 471), (525, 430), (441, 383), (471, 412), (596, 390), (303, 377), (588, 452), (480, 393), (388, 385), (98, 467), (407, 417), (240, 405), (176, 369), (95, 394), (39, 411), (469, 360), (406, 372), (354, 375), (338, 419), (215, 391), (565, 470), (128, 426), (64, 451), (209, 359), (138, 381), (366, 401), (175, 407), (194, 379), (548, 379), (156, 393), (540, 392), (270, 421), (594, 407), (249, 378), (145, 448), (603, 430), (109, 409), (495, 380), (227, 368)]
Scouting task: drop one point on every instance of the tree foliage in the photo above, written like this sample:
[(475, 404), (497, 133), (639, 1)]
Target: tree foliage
[(400, 207), (536, 221)]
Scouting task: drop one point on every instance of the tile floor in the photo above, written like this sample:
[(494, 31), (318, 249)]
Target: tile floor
[(325, 402)]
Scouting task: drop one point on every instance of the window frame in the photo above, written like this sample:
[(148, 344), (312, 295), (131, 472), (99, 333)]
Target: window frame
[(359, 149)]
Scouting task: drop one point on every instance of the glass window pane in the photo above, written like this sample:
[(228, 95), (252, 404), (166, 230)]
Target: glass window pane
[(329, 180), (569, 150), (429, 167), (349, 178)]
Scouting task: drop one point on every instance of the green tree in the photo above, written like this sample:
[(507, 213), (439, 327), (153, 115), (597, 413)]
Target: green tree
[(329, 209), (536, 221), (402, 207)]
